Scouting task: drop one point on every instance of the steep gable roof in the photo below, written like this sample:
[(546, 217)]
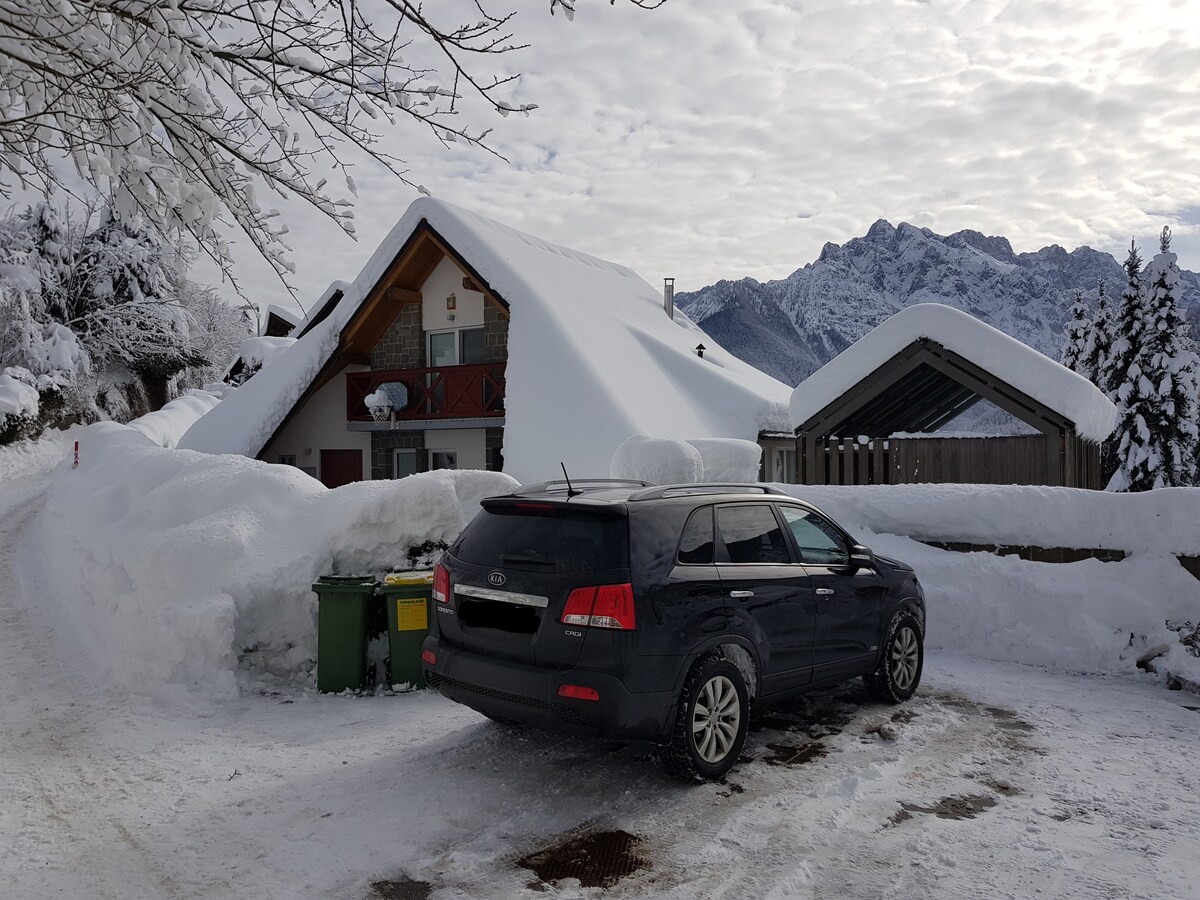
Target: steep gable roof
[(593, 358)]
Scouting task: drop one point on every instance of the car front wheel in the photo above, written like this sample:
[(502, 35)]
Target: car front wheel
[(899, 670), (711, 722)]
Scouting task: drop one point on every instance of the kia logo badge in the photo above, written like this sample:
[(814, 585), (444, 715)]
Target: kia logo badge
[(496, 578)]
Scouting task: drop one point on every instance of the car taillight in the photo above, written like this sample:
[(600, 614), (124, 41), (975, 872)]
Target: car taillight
[(429, 656), (604, 606), (441, 584), (578, 692)]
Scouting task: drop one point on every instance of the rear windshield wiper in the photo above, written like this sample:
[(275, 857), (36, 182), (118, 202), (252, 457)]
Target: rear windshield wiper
[(526, 560)]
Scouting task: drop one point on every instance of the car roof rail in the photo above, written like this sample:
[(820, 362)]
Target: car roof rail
[(682, 490), (561, 486)]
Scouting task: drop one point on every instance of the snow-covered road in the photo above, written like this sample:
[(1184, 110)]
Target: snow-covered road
[(1002, 781)]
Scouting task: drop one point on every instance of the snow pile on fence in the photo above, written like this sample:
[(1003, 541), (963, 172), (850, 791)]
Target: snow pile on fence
[(1162, 521), (173, 563), (671, 461)]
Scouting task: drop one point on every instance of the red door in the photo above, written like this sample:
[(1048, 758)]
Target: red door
[(340, 467)]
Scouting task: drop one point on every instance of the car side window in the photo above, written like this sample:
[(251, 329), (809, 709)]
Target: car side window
[(818, 541), (696, 544), (751, 534)]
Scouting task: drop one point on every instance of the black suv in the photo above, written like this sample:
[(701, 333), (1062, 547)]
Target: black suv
[(663, 613)]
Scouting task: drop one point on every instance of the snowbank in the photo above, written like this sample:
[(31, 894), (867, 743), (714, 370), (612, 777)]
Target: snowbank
[(1089, 616), (1162, 521), (1020, 365), (672, 461), (172, 564), (167, 425)]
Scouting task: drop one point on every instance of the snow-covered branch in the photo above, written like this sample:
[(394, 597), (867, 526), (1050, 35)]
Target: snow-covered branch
[(185, 110)]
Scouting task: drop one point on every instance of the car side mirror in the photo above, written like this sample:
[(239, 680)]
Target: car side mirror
[(862, 557)]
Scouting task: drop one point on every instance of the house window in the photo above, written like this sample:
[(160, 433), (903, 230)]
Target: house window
[(404, 463), (287, 459), (464, 346), (443, 459), (785, 466)]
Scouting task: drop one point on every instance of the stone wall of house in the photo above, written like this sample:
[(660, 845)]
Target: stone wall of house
[(495, 335), (403, 344)]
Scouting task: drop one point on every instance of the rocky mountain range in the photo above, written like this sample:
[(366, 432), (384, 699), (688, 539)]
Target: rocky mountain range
[(791, 327)]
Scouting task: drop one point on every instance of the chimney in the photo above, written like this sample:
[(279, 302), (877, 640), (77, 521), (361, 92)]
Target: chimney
[(669, 297)]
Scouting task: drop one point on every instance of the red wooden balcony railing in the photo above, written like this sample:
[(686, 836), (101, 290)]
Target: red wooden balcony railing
[(451, 392)]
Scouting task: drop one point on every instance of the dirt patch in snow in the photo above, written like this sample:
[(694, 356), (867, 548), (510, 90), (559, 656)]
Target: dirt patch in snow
[(796, 754), (967, 807), (403, 888), (596, 859)]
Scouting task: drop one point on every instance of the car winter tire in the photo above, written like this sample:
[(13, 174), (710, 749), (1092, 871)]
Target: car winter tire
[(902, 661), (710, 723)]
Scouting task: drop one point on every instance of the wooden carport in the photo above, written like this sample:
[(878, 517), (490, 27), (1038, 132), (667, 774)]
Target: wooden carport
[(918, 390)]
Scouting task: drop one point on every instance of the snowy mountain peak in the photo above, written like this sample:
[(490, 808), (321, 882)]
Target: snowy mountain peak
[(789, 328)]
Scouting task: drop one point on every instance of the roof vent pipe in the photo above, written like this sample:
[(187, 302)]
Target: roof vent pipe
[(669, 297)]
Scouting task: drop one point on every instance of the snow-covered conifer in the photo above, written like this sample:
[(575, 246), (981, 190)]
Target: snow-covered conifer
[(1099, 337), (1075, 346), (1127, 328), (1157, 431)]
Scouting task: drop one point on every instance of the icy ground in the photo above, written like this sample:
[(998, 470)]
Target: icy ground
[(1001, 781)]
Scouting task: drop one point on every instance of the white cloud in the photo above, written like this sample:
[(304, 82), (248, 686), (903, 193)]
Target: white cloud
[(711, 139)]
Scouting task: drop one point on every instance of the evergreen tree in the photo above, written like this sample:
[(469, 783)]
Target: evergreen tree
[(1127, 328), (1157, 430), (1098, 344), (1075, 345)]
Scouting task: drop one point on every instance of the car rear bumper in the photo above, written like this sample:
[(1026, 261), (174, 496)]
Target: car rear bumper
[(529, 695)]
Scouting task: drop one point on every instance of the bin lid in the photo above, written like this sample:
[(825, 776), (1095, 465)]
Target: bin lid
[(393, 579), (346, 579)]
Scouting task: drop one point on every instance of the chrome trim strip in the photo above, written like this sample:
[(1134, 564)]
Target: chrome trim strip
[(502, 596)]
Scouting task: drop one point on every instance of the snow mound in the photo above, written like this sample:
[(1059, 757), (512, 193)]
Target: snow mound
[(658, 460), (672, 461), (167, 425), (1087, 617), (1054, 385), (260, 351), (16, 397), (173, 564)]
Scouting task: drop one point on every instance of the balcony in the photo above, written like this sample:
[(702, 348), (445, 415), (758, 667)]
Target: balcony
[(451, 392)]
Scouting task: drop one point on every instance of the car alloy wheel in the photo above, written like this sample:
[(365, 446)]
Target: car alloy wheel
[(716, 718), (905, 658)]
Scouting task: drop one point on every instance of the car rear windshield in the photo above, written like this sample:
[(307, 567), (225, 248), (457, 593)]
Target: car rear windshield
[(544, 539)]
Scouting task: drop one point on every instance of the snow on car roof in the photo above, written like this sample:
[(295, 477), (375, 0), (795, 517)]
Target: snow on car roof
[(1055, 386)]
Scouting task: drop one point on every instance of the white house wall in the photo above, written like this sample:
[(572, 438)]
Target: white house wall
[(321, 425), (443, 281), (469, 442)]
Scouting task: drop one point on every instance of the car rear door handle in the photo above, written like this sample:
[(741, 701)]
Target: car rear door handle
[(739, 595), (824, 592)]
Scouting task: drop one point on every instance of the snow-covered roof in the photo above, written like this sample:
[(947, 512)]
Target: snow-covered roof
[(290, 316), (1041, 378), (593, 358)]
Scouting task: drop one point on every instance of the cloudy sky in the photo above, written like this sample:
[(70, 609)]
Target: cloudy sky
[(714, 139)]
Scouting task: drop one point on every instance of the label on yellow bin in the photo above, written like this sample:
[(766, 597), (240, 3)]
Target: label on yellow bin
[(411, 614)]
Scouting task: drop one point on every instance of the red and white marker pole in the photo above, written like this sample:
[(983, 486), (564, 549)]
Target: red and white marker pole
[(75, 465)]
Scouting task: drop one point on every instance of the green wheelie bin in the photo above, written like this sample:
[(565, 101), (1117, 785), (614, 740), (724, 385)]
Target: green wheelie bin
[(407, 596), (342, 613)]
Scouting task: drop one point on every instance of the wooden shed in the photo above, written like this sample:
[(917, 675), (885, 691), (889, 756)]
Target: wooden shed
[(864, 417)]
